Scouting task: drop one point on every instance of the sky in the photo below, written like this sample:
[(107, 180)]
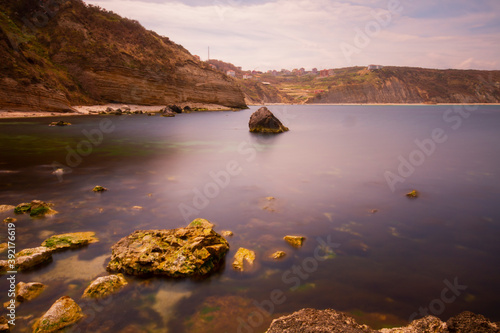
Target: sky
[(277, 34)]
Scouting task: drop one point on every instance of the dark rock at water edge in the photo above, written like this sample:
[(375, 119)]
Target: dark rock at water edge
[(175, 108), (264, 121), (332, 321)]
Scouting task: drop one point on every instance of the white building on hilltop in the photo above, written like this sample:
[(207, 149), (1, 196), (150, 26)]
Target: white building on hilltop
[(373, 67)]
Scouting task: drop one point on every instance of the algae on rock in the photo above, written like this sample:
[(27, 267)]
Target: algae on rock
[(183, 252), (35, 208), (64, 312), (70, 240), (105, 286)]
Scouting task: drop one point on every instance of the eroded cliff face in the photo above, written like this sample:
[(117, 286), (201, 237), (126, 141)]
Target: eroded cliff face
[(416, 85), (83, 55)]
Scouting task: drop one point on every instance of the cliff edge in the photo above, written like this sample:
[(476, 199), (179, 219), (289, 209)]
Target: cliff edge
[(58, 53)]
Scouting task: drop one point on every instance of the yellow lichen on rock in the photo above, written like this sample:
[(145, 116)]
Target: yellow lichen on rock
[(241, 256)]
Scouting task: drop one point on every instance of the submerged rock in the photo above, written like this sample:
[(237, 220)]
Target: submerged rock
[(413, 194), (243, 255), (183, 252), (36, 208), (278, 255), (226, 233), (59, 123), (187, 108), (295, 241), (105, 286), (64, 312), (9, 220), (28, 291), (4, 325), (99, 189), (70, 241), (29, 258), (264, 121), (6, 208)]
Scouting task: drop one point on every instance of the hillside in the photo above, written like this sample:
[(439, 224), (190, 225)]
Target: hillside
[(255, 91), (80, 54), (410, 85)]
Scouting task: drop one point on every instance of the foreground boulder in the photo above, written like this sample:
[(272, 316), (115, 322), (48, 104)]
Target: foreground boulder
[(322, 321), (36, 208), (105, 286), (264, 121), (191, 251), (70, 241), (64, 312)]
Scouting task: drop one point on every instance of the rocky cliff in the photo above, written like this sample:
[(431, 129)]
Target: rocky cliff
[(412, 85), (56, 53)]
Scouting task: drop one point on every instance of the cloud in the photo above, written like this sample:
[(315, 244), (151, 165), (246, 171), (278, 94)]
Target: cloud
[(275, 34)]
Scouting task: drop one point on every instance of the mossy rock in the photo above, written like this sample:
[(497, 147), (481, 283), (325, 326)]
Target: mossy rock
[(295, 241), (105, 286), (71, 240), (183, 252), (201, 223), (64, 312), (36, 208), (99, 189), (59, 123), (243, 255), (413, 194)]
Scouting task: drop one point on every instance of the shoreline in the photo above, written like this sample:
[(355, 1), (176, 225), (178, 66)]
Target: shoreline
[(85, 110)]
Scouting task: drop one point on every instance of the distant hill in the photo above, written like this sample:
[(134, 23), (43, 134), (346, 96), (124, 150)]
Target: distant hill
[(255, 91), (59, 53), (410, 85)]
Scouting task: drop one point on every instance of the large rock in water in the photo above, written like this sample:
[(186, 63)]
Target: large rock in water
[(191, 251), (264, 121)]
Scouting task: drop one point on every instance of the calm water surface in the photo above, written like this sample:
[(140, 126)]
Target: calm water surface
[(327, 175)]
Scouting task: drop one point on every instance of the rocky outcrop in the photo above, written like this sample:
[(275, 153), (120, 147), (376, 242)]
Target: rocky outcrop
[(331, 321), (85, 55), (264, 121), (183, 252), (105, 286), (63, 313)]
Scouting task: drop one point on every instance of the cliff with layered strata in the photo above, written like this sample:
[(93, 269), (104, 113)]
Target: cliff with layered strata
[(60, 53)]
